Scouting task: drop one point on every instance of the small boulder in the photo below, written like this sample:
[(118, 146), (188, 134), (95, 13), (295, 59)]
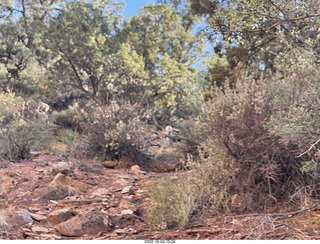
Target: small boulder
[(64, 180), (125, 163), (38, 217), (61, 167), (101, 192), (109, 164), (34, 154), (39, 229), (57, 193), (85, 224), (126, 211), (58, 216), (136, 170), (26, 216), (14, 219), (127, 189), (126, 202)]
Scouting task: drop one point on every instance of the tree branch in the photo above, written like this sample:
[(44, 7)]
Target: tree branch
[(309, 148), (286, 20)]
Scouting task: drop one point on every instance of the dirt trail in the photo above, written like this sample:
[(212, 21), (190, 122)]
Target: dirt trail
[(45, 203)]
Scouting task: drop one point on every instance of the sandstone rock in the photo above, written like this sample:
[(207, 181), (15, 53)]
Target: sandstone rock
[(57, 193), (126, 211), (34, 154), (30, 234), (113, 210), (50, 237), (65, 180), (38, 217), (120, 231), (58, 216), (86, 224), (39, 229), (61, 167), (109, 164), (79, 176), (126, 202), (41, 162), (136, 170), (14, 219), (102, 192), (165, 167), (74, 203), (125, 163), (33, 209), (125, 231), (26, 216), (127, 189)]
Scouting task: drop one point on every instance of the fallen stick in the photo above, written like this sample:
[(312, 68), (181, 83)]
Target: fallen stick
[(278, 214)]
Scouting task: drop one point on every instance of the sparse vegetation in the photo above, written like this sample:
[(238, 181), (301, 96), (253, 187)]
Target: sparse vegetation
[(113, 131), (4, 224), (171, 204), (19, 134), (246, 113)]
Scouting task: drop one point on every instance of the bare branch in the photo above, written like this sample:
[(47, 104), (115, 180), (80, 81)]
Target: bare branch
[(309, 148)]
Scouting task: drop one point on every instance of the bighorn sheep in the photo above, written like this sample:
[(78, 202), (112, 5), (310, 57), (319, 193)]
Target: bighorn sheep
[(38, 110)]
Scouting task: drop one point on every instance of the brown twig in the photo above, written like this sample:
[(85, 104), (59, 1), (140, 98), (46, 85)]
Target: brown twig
[(309, 148), (279, 215)]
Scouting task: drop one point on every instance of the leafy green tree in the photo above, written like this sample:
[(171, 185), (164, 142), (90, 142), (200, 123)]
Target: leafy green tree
[(269, 29), (81, 49), (151, 59), (20, 23), (169, 50)]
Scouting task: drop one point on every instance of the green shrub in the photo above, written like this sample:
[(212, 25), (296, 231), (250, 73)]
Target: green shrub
[(17, 134), (171, 204), (113, 131), (67, 136), (4, 223), (254, 135), (66, 119)]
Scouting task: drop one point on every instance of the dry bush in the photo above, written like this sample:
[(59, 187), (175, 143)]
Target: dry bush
[(18, 133), (112, 131), (171, 204), (248, 162), (66, 119), (4, 223)]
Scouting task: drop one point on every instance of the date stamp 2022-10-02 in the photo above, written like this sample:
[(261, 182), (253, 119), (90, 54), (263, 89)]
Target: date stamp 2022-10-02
[(160, 241)]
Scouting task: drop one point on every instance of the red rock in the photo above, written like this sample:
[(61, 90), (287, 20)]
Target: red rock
[(33, 209), (38, 217), (58, 216), (39, 229), (87, 224), (113, 211), (79, 176), (109, 164), (126, 202)]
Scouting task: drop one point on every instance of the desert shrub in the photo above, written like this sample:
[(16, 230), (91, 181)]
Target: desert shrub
[(4, 223), (252, 159), (66, 119), (18, 134), (113, 131), (67, 136), (171, 204)]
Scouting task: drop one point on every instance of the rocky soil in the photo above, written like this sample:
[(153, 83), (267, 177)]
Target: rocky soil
[(52, 198)]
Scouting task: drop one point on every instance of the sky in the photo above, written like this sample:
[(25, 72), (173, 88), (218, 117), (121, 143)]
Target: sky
[(133, 6)]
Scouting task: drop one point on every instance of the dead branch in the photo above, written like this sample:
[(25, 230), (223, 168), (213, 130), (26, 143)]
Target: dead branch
[(176, 137), (309, 148), (279, 215)]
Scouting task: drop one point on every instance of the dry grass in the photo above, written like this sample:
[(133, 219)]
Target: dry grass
[(4, 224), (171, 204)]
